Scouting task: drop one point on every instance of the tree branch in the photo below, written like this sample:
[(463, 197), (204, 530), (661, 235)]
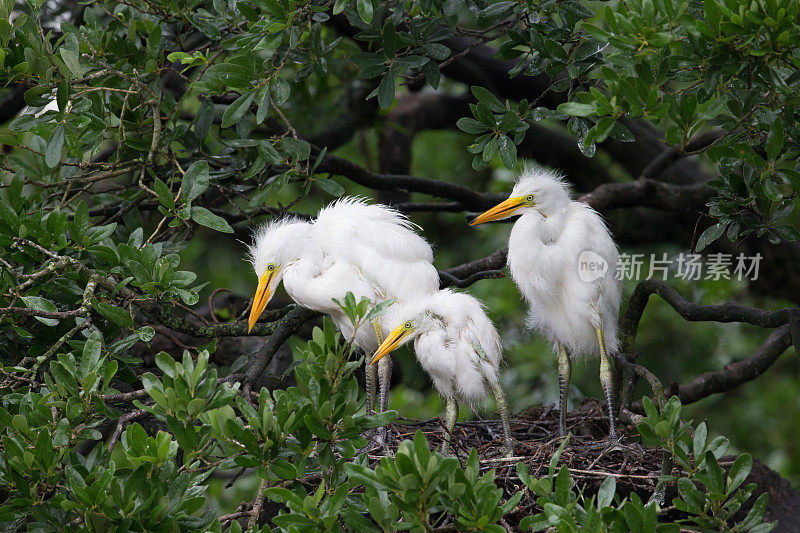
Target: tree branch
[(282, 330), (648, 193), (734, 374), (398, 182), (727, 312)]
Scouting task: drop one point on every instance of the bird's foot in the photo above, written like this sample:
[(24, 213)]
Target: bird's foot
[(508, 450), (376, 442), (609, 444), (384, 437)]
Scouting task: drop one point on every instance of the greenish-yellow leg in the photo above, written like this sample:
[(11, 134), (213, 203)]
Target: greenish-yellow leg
[(450, 418), (371, 372), (502, 408), (384, 379), (384, 370), (607, 381), (564, 373)]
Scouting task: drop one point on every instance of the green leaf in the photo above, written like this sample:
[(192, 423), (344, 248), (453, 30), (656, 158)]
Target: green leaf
[(379, 419), (52, 154), (115, 314), (206, 218), (699, 441), (710, 235), (71, 60), (605, 496), (775, 139), (164, 194), (146, 333), (436, 51), (283, 469), (297, 148), (603, 129), (316, 427), (386, 90), (263, 104), (195, 180), (234, 112), (330, 186), (483, 95), (739, 471), (91, 353), (470, 125), (41, 304), (508, 152), (365, 11), (577, 109), (280, 91)]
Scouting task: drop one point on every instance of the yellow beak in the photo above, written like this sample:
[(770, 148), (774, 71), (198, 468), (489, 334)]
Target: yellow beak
[(391, 343), (503, 209), (261, 298)]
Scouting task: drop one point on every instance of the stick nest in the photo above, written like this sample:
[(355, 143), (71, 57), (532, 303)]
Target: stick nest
[(588, 455)]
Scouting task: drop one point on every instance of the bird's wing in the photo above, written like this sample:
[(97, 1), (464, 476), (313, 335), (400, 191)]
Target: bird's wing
[(587, 231), (381, 243), (475, 329)]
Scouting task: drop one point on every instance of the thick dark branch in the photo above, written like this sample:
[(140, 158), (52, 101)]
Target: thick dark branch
[(436, 207), (492, 262), (446, 280), (281, 331), (396, 182), (727, 312), (734, 374), (648, 193), (668, 157)]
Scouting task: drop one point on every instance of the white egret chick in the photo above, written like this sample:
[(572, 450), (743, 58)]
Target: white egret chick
[(563, 259), (369, 250), (457, 345)]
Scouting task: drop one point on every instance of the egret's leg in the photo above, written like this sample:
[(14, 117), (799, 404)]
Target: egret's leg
[(606, 380), (371, 372), (384, 380), (450, 418), (564, 373), (384, 370), (502, 408)]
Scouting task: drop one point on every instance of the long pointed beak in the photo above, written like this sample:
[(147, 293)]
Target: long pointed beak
[(501, 210), (261, 299), (391, 343)]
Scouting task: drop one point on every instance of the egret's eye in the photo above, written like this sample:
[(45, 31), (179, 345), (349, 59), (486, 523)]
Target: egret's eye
[(529, 198), (270, 267), (407, 325)]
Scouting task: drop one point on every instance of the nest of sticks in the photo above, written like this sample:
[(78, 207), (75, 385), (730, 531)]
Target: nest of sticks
[(535, 431)]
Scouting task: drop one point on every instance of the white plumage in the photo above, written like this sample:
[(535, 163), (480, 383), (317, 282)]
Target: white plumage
[(370, 250), (563, 259), (456, 344)]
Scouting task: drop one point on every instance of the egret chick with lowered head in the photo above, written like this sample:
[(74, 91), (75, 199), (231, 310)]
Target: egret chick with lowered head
[(457, 345), (370, 250), (563, 259)]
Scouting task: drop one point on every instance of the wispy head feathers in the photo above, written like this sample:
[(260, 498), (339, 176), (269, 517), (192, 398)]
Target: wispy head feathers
[(274, 241), (550, 190)]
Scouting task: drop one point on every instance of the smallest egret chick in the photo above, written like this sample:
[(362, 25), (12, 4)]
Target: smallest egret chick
[(457, 345)]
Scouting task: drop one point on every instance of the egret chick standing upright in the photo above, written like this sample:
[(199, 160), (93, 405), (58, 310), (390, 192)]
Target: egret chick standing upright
[(457, 345), (563, 259)]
